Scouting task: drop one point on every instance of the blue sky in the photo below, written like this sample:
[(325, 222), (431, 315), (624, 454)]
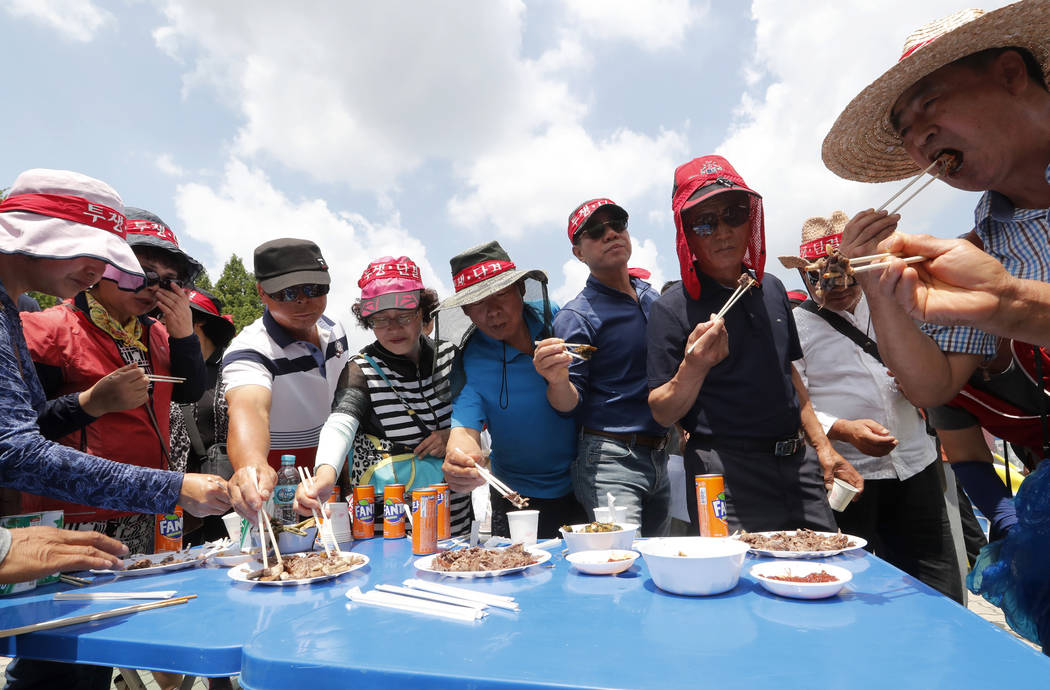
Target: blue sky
[(425, 128)]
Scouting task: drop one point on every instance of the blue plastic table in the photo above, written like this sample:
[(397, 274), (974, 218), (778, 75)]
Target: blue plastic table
[(579, 631)]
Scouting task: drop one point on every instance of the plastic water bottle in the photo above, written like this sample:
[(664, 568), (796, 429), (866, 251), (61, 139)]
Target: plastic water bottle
[(284, 491)]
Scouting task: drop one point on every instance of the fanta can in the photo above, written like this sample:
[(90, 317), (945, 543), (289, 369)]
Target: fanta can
[(364, 511), (424, 521), (711, 505), (394, 511), (444, 508), (168, 534), (334, 497)]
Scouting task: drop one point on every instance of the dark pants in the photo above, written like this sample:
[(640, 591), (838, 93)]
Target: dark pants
[(23, 674), (554, 512), (906, 524), (973, 536), (763, 492)]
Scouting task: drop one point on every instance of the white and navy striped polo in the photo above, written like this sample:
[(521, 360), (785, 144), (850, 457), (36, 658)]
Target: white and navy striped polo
[(301, 377)]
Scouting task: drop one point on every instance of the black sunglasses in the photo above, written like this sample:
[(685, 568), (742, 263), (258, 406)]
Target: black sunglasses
[(733, 217), (813, 278), (165, 282), (308, 291), (596, 231)]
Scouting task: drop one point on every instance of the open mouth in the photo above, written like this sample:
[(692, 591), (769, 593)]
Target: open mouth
[(951, 160)]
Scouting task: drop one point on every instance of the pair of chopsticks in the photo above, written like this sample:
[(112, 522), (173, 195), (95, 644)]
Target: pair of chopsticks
[(87, 618), (913, 181), (741, 288), (307, 477), (73, 580), (102, 596), (264, 524), (165, 379), (569, 349), (875, 261), (495, 600), (384, 598), (504, 490)]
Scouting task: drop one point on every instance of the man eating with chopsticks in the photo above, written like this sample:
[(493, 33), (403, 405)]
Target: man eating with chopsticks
[(974, 85), (729, 381)]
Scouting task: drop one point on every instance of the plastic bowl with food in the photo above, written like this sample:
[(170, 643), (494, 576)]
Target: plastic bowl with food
[(289, 542), (579, 540), (603, 561), (694, 566), (827, 580)]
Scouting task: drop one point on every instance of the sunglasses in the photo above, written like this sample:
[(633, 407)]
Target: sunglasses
[(733, 217), (386, 321), (307, 291), (813, 278), (596, 231), (165, 282)]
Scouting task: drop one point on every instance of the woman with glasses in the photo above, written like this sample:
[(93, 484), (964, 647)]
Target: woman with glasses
[(105, 329), (387, 402)]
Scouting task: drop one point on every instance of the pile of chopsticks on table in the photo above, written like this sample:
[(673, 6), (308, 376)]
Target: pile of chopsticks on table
[(431, 598)]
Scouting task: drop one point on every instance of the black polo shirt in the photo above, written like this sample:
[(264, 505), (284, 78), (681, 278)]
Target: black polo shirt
[(749, 393)]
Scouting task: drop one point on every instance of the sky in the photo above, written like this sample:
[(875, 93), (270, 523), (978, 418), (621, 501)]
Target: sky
[(425, 128)]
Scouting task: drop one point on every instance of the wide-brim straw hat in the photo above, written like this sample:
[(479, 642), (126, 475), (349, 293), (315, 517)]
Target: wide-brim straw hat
[(819, 234), (862, 144), (482, 271)]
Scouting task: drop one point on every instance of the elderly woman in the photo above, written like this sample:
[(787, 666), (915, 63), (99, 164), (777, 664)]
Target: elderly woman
[(387, 401)]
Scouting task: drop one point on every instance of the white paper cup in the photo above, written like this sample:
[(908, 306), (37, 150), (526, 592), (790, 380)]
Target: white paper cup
[(601, 514), (841, 494), (238, 529), (523, 526), (339, 514)]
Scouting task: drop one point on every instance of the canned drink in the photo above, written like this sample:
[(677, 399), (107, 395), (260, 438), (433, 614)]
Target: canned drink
[(444, 508), (394, 511), (168, 533), (364, 511), (711, 505), (334, 498), (424, 521)]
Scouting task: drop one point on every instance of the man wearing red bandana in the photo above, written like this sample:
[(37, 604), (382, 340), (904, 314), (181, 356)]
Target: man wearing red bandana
[(731, 383)]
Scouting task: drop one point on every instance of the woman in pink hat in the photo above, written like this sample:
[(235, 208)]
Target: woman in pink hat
[(388, 398)]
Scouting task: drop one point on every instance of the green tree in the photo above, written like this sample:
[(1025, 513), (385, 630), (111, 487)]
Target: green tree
[(203, 281), (43, 300), (236, 289)]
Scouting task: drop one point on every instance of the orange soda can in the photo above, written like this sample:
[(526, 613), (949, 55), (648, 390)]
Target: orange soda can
[(394, 511), (444, 510), (424, 521), (711, 505), (334, 497), (364, 511), (168, 533)]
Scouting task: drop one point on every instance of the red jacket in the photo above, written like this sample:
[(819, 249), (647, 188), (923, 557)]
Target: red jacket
[(64, 337)]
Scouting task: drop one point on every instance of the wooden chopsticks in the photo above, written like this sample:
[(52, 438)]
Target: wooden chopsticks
[(913, 181), (264, 524), (165, 379), (87, 618), (508, 493), (746, 283), (307, 478)]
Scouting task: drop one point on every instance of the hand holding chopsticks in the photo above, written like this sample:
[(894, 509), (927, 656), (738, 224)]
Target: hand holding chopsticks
[(324, 530), (744, 284), (510, 494), (264, 525)]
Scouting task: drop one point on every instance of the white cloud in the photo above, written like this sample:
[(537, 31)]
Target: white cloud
[(245, 210), (653, 25), (75, 20), (574, 272), (167, 165)]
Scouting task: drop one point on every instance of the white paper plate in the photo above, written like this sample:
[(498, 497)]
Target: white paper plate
[(240, 573), (800, 590), (858, 543), (424, 565), (602, 562), (193, 562)]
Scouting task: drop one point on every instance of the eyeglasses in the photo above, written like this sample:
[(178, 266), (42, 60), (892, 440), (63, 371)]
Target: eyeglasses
[(596, 231), (387, 321), (165, 282), (813, 278), (307, 291), (733, 217)]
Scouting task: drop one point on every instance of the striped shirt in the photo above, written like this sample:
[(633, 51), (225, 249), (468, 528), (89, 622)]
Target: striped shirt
[(1020, 240), (300, 376)]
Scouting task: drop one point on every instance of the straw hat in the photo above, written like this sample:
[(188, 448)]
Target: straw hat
[(862, 144), (819, 236), (482, 271)]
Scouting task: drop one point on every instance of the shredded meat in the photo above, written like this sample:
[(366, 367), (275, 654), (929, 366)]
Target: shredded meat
[(801, 540), (822, 576), (476, 559), (307, 565)]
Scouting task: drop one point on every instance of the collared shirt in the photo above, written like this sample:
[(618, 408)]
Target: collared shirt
[(301, 378), (532, 445), (612, 385), (29, 462), (749, 393), (1020, 240), (844, 382)]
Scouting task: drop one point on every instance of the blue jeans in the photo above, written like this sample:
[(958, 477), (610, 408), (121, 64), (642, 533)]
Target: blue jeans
[(635, 475)]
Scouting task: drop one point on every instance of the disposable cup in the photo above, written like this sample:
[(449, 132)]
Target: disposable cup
[(841, 494), (237, 529), (601, 514), (523, 526), (339, 514)]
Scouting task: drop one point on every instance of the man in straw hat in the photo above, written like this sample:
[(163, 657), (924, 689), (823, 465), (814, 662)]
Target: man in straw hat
[(533, 446), (972, 85), (621, 448), (870, 423), (730, 383)]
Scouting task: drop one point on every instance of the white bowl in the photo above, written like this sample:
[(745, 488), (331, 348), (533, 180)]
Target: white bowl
[(293, 543), (596, 541), (800, 590), (603, 562), (694, 565)]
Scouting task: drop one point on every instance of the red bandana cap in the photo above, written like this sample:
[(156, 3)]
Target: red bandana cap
[(390, 283), (701, 179), (217, 326), (579, 217)]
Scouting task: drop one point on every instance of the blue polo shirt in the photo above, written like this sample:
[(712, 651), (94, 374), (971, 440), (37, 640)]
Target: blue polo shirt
[(749, 393), (532, 445), (613, 387)]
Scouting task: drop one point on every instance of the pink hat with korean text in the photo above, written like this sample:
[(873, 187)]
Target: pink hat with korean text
[(58, 214), (390, 283)]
